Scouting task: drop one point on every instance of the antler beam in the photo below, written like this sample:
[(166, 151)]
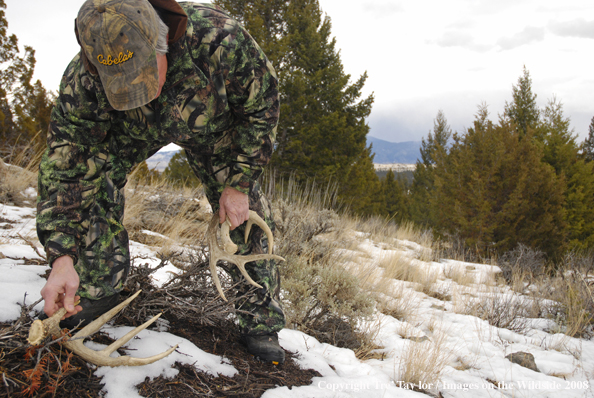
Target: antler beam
[(226, 249), (41, 329)]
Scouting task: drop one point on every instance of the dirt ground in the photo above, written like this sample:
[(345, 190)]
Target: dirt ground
[(52, 373)]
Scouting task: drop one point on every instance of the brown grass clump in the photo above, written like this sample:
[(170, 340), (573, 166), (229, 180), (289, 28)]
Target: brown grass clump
[(458, 274), (320, 296), (424, 362), (400, 304), (401, 267), (506, 311), (177, 214), (567, 298), (387, 231), (15, 178), (561, 292)]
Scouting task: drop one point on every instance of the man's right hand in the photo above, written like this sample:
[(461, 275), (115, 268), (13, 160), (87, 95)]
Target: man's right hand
[(60, 288)]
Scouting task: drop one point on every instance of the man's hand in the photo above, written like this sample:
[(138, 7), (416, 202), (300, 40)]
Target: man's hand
[(60, 288), (234, 205)]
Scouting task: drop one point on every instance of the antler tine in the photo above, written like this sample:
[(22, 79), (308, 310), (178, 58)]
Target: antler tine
[(219, 252), (99, 322), (102, 357), (256, 219)]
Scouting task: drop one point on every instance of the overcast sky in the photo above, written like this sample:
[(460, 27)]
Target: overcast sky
[(421, 56)]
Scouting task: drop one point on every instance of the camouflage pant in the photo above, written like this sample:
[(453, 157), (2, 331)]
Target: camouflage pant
[(104, 260)]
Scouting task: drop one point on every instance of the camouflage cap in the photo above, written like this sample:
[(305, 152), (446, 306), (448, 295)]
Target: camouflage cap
[(119, 38)]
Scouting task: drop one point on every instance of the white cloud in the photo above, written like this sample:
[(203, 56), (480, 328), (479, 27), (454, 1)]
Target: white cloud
[(574, 28), (530, 34), (383, 9), (461, 39)]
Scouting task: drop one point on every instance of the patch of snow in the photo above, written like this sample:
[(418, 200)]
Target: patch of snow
[(121, 381)]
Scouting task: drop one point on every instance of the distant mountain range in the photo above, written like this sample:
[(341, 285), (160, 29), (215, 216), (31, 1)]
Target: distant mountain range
[(385, 153), (394, 152)]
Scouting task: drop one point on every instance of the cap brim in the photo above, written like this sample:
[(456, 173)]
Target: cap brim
[(133, 89)]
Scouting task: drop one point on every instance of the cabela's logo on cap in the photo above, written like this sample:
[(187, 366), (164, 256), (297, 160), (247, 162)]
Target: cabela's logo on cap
[(114, 61)]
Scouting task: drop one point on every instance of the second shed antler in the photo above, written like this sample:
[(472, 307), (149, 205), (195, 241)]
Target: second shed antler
[(226, 249), (41, 329)]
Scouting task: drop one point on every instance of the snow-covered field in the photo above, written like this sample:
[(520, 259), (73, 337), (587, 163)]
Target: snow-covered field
[(472, 351)]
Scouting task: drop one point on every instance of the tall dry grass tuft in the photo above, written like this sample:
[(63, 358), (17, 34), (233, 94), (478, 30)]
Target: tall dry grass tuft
[(567, 298), (561, 292), (401, 267), (164, 215), (389, 232), (505, 311), (19, 175), (321, 298), (424, 362), (458, 274), (400, 303)]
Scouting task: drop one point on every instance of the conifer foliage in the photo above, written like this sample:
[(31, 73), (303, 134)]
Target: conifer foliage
[(179, 172), (322, 131), (396, 198), (422, 190), (521, 180), (24, 106), (588, 144), (495, 192), (523, 110)]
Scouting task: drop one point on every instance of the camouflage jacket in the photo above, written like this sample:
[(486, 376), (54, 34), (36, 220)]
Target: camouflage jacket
[(220, 97)]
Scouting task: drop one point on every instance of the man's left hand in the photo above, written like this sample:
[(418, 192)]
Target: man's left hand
[(235, 206)]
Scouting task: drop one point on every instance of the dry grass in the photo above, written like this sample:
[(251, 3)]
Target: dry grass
[(177, 214), (502, 311), (400, 267), (570, 303), (400, 303), (424, 362), (563, 294), (368, 349), (15, 178), (387, 231), (320, 297), (458, 274)]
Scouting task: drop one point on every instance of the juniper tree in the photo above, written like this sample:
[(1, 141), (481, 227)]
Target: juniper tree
[(523, 110), (179, 172), (561, 151), (495, 192), (396, 198), (422, 188), (588, 144)]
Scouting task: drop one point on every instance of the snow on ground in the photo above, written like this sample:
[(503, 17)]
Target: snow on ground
[(472, 351)]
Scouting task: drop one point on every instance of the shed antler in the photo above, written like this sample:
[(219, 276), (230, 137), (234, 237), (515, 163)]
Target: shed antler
[(41, 329), (226, 249)]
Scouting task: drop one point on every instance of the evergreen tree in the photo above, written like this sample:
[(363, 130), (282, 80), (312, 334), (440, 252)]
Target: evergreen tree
[(24, 106), (179, 172), (523, 110), (495, 192), (322, 130), (396, 197), (142, 174), (422, 189), (561, 151), (588, 144)]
